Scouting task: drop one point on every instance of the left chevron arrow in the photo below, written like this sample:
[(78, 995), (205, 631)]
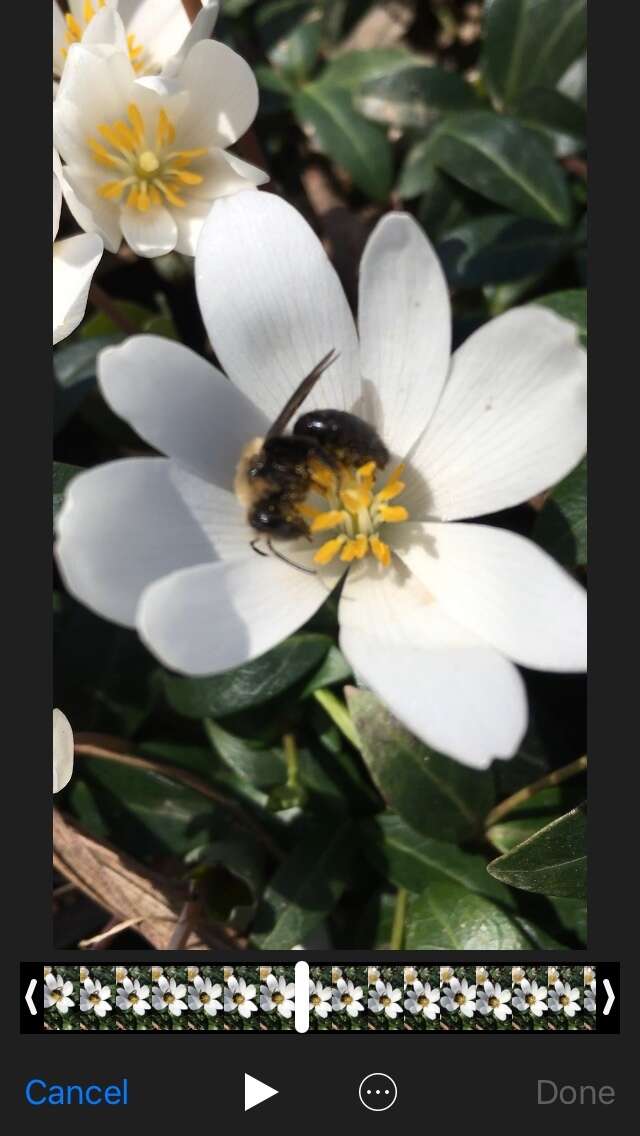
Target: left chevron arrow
[(29, 997)]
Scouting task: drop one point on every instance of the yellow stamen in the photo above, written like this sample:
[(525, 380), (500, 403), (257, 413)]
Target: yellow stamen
[(125, 134), (87, 11), (355, 549), (137, 122), (367, 470), (143, 197), (355, 499), (112, 190), (154, 194), (170, 194), (380, 550), (392, 514), (165, 130), (102, 155), (329, 550), (183, 157), (321, 474), (187, 177), (111, 135), (308, 511), (132, 199), (391, 490), (74, 27), (328, 520)]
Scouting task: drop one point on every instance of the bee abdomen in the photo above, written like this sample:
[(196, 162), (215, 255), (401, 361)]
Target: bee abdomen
[(345, 435)]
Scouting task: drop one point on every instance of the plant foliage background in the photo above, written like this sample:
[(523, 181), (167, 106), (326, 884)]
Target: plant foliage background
[(278, 805)]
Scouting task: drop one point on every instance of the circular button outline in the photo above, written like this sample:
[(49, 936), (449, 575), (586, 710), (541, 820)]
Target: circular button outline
[(368, 1106)]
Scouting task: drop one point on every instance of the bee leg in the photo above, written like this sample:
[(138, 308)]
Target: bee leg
[(309, 571), (253, 543)]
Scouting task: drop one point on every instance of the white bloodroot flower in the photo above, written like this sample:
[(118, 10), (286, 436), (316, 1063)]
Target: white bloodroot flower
[(492, 999), (319, 999), (590, 997), (530, 998), (433, 613), (154, 30), (169, 995), (133, 996), (62, 751), (564, 999), (277, 995), (459, 997), (423, 999), (384, 999), (347, 997), (75, 260), (94, 997), (57, 993), (239, 997), (145, 158), (205, 995)]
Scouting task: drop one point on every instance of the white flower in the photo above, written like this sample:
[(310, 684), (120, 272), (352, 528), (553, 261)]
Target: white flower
[(74, 263), (531, 998), (57, 993), (319, 999), (446, 973), (145, 158), (133, 996), (62, 751), (552, 975), (94, 997), (277, 994), (564, 999), (386, 1000), (517, 973), (169, 995), (154, 30), (459, 997), (589, 976), (156, 972), (205, 995), (164, 545), (373, 974), (238, 997), (410, 975), (347, 997), (482, 975), (492, 999), (590, 997), (423, 1000)]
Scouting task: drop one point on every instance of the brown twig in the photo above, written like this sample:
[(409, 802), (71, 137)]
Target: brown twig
[(101, 300), (113, 927), (546, 782), (192, 7)]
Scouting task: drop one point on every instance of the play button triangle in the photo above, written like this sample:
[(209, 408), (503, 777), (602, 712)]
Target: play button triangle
[(255, 1092)]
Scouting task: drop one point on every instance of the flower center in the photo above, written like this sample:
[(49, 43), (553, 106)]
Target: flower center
[(278, 998), (530, 999), (564, 1000), (238, 999), (423, 1000), (204, 998), (356, 510), (94, 999), (56, 995), (133, 998), (385, 1000), (75, 32), (169, 998), (493, 1001), (315, 999), (346, 999), (460, 999), (149, 170)]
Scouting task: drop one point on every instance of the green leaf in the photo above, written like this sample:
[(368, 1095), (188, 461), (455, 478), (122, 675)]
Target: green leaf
[(143, 319), (532, 815), (414, 96), (506, 162), (420, 173), (552, 111), (436, 796), (304, 890), (561, 526), (231, 875), (264, 768), (74, 368), (63, 474), (449, 917), (333, 669), (499, 248), (553, 861), (250, 685), (353, 68), (571, 305), (531, 43), (415, 862), (360, 147), (297, 53)]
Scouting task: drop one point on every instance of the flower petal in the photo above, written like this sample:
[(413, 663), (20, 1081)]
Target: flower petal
[(74, 263), (122, 526), (448, 687), (153, 233), (93, 213), (223, 95), (511, 420), (504, 589), (273, 305), (62, 752), (404, 318), (181, 404), (208, 619)]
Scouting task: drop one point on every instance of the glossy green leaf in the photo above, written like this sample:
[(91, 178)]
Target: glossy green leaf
[(415, 862), (553, 861), (446, 916), (571, 305), (74, 368), (436, 796), (531, 43), (360, 147), (532, 815), (498, 248), (264, 768), (561, 526), (250, 685), (414, 96), (304, 890), (296, 54), (143, 320), (63, 474), (552, 111), (506, 162), (333, 669), (352, 69), (420, 173)]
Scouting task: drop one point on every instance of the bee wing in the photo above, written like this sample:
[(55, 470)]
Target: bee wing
[(301, 392)]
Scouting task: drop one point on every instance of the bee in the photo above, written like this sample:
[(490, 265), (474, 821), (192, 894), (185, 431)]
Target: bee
[(275, 473)]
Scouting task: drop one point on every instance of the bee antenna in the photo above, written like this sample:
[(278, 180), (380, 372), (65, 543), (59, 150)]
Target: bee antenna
[(309, 571), (252, 544)]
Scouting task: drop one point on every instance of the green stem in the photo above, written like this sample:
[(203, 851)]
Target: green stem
[(291, 758), (399, 916), (554, 778), (339, 714)]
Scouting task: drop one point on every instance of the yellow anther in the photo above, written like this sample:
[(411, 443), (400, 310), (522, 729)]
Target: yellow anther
[(148, 162), (154, 195), (125, 134), (391, 490), (392, 514), (329, 550), (102, 155), (111, 135), (132, 199), (87, 11), (308, 511), (137, 122), (112, 189), (75, 31), (187, 177), (328, 520), (143, 198), (183, 157), (170, 194), (355, 549), (165, 130), (355, 499), (380, 550), (321, 474), (367, 470)]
